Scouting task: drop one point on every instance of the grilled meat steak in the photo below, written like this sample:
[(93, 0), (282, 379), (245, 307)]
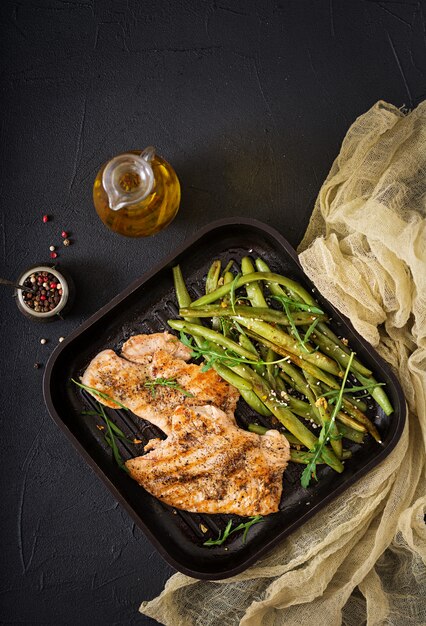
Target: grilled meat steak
[(209, 465), (155, 356)]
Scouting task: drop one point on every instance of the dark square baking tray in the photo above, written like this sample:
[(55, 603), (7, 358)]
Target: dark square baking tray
[(144, 307)]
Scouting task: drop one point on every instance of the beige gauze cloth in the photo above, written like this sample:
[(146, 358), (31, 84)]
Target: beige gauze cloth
[(363, 558)]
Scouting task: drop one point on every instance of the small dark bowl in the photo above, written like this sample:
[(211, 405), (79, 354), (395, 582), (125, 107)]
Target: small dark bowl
[(64, 304)]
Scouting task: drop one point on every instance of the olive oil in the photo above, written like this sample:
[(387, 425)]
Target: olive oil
[(137, 193)]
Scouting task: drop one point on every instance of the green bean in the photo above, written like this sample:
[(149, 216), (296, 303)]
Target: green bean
[(211, 336), (182, 295), (261, 313), (213, 276), (261, 430), (328, 345), (212, 284), (245, 342), (254, 292), (348, 422), (258, 429), (233, 379), (228, 268), (250, 278), (326, 330), (279, 338), (255, 402), (362, 419), (305, 365), (378, 393), (274, 288), (270, 367)]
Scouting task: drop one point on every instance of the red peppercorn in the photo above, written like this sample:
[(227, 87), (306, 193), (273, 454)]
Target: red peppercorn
[(64, 234), (42, 297), (53, 285), (45, 218), (53, 255)]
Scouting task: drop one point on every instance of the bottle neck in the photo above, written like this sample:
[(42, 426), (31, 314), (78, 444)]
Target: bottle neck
[(128, 179)]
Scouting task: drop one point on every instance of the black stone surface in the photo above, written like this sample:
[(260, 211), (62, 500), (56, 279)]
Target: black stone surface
[(249, 101)]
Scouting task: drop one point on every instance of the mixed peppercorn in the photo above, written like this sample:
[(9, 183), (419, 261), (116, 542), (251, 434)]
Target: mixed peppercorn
[(47, 292)]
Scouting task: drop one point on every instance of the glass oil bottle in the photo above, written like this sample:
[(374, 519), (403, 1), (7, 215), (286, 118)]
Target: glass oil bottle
[(136, 194)]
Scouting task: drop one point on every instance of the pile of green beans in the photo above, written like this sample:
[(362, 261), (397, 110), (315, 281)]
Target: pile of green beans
[(269, 338)]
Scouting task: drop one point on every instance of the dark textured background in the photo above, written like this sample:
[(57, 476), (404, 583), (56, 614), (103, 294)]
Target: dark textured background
[(250, 102)]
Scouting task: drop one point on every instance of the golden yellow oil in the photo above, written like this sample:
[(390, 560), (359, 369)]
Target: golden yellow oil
[(151, 214)]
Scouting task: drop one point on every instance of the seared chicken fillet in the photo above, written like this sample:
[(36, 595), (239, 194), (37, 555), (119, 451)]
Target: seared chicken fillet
[(209, 465), (159, 357), (140, 348)]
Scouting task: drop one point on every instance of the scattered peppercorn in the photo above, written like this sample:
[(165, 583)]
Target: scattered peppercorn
[(45, 218), (37, 366), (66, 242), (64, 234), (43, 341), (61, 339), (52, 248), (53, 255)]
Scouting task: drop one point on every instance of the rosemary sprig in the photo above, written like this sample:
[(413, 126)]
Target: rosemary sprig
[(166, 382), (310, 469), (229, 531)]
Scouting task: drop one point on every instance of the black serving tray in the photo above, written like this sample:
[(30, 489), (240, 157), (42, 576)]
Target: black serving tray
[(144, 307)]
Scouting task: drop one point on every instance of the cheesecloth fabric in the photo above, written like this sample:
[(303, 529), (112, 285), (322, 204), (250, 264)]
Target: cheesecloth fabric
[(363, 558)]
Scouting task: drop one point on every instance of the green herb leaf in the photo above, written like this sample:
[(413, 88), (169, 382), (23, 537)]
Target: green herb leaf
[(293, 326), (298, 306), (113, 430), (110, 439), (335, 392), (229, 531), (166, 382), (310, 330), (101, 394)]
